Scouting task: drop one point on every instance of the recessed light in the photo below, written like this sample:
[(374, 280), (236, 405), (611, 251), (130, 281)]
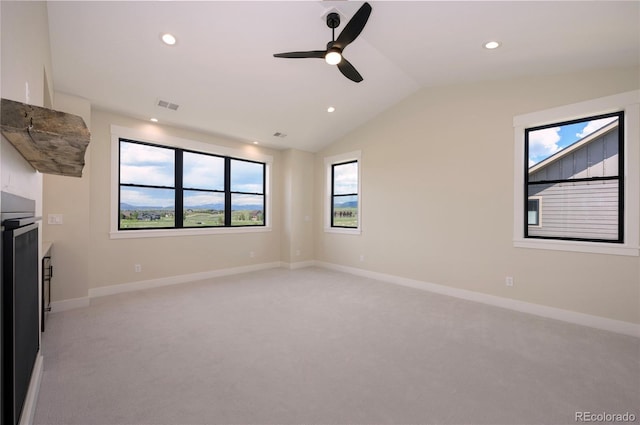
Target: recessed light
[(168, 39), (153, 119), (491, 45), (331, 109), (255, 143)]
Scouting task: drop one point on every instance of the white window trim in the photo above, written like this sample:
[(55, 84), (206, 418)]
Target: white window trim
[(118, 132), (629, 102), (328, 162)]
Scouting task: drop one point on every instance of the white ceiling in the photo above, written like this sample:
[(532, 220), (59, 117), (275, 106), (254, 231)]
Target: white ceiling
[(223, 74)]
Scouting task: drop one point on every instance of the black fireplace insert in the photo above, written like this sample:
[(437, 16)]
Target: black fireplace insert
[(19, 302)]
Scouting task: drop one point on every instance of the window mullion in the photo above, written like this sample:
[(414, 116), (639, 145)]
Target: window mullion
[(179, 198), (621, 174), (227, 191), (333, 196)]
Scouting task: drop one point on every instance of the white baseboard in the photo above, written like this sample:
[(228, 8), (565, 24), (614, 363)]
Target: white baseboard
[(174, 280), (597, 322), (69, 304), (29, 407), (298, 265)]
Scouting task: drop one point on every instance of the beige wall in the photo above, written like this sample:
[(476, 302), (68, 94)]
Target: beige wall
[(112, 260), (69, 196), (25, 61), (437, 193), (437, 197), (298, 213)]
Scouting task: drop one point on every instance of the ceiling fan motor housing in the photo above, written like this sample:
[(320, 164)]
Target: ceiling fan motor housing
[(333, 20)]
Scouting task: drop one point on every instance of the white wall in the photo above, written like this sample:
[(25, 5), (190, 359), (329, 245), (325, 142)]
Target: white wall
[(437, 197)]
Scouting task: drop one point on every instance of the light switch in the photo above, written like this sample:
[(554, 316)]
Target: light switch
[(54, 219)]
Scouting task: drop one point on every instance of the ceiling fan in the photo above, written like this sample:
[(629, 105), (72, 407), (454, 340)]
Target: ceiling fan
[(333, 54)]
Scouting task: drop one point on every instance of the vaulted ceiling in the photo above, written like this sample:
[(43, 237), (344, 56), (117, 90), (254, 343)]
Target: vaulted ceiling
[(222, 73)]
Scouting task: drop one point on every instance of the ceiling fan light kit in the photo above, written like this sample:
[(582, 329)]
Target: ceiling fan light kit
[(333, 56), (333, 53)]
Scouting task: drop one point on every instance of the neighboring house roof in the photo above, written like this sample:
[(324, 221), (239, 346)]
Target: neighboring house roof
[(574, 147)]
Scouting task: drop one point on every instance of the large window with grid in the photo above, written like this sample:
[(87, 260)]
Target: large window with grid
[(577, 177), (162, 187), (574, 179)]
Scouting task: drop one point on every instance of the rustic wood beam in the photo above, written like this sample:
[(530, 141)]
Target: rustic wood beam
[(52, 142)]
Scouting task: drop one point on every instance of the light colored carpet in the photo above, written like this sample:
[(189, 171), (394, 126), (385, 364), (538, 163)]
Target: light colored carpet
[(315, 346)]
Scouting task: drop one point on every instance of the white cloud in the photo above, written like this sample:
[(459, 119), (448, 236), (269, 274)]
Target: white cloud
[(345, 178), (246, 176), (142, 164), (203, 171), (147, 197), (543, 143), (239, 200), (135, 153), (194, 199), (595, 125)]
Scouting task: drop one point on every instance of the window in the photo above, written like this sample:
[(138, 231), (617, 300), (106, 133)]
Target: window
[(343, 193), (577, 167), (577, 178), (163, 187), (147, 186), (533, 211)]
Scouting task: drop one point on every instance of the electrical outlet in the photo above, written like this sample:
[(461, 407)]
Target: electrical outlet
[(297, 252), (252, 254), (54, 219), (361, 257), (508, 281), (137, 268)]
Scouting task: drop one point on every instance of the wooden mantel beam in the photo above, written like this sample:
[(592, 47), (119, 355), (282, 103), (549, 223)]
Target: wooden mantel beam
[(52, 142)]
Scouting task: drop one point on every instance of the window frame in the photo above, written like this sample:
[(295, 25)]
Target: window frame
[(185, 145), (619, 178), (538, 200), (629, 104), (334, 195), (329, 163)]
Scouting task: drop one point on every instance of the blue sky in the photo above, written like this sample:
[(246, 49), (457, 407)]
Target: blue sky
[(546, 142), (151, 165)]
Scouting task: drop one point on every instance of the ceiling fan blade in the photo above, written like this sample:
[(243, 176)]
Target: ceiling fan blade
[(302, 55), (349, 70), (354, 26)]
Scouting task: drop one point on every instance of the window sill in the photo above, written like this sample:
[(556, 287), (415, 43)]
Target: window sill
[(163, 233), (343, 231), (576, 246)]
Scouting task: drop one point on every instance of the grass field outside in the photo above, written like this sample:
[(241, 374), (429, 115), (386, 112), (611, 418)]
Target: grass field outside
[(157, 219), (345, 217)]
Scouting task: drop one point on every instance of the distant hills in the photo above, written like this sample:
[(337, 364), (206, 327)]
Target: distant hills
[(350, 204), (128, 207)]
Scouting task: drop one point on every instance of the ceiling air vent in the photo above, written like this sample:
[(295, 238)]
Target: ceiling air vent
[(278, 134), (169, 105)]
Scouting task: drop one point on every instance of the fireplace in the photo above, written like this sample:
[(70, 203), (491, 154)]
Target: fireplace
[(19, 294)]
